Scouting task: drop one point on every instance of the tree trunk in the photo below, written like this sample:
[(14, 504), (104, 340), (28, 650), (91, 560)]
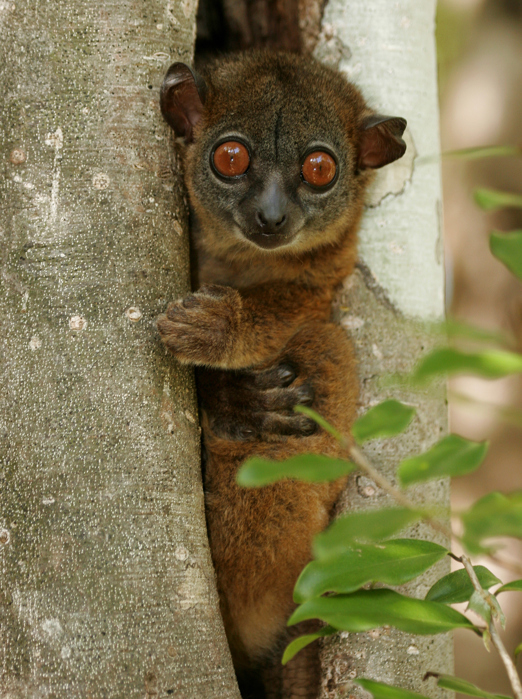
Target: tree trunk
[(107, 588), (388, 49)]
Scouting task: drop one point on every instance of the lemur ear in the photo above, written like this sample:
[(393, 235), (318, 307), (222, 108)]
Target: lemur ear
[(182, 97), (381, 141)]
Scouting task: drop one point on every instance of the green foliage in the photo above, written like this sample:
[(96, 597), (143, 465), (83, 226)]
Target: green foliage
[(493, 515), (384, 420), (452, 328), (452, 456), (394, 562), (457, 586), (483, 152), (368, 609), (507, 247), (455, 684), (299, 643), (485, 607), (368, 526), (305, 467), (513, 586), (490, 364), (386, 691), (493, 199)]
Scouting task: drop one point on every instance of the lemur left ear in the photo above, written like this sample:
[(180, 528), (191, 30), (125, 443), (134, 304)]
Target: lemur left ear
[(381, 141), (182, 97)]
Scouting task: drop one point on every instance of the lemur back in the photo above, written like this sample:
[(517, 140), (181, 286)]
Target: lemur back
[(280, 150)]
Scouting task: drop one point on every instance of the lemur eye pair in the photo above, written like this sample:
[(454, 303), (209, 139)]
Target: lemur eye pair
[(231, 159)]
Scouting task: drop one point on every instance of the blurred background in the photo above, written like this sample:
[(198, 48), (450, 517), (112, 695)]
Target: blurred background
[(480, 81)]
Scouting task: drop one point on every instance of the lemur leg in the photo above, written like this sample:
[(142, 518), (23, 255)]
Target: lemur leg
[(261, 537)]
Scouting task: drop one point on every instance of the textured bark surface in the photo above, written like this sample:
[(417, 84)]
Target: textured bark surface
[(388, 50), (106, 584)]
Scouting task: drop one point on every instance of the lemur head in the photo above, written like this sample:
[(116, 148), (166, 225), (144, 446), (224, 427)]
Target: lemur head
[(279, 149)]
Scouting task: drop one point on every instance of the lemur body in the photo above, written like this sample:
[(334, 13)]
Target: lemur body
[(280, 151)]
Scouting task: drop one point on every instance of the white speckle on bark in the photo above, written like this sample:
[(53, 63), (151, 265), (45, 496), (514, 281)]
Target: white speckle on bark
[(48, 501), (376, 352), (35, 343), (366, 487), (55, 140), (77, 323), (133, 313), (52, 628), (188, 7), (396, 249), (181, 553), (352, 322), (412, 650), (190, 417), (66, 652), (100, 180), (25, 299), (170, 15), (17, 156)]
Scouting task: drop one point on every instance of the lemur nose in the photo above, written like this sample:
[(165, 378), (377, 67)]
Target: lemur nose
[(267, 221), (271, 214)]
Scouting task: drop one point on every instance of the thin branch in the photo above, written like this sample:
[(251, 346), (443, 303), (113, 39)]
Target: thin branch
[(365, 465), (495, 637)]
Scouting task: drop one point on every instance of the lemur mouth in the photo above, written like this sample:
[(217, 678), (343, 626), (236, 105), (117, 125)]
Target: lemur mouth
[(270, 241)]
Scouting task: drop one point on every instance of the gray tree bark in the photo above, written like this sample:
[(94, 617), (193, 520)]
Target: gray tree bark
[(106, 584), (388, 49)]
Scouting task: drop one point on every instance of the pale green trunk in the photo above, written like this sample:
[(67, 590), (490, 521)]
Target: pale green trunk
[(388, 49)]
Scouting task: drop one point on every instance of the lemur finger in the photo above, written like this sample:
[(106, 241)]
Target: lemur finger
[(282, 399), (276, 377), (288, 425)]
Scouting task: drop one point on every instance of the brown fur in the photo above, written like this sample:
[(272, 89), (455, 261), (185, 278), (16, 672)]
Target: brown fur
[(265, 315)]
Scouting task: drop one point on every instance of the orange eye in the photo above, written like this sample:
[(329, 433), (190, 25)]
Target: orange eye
[(231, 159), (319, 169)]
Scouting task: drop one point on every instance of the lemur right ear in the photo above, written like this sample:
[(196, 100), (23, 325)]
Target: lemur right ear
[(182, 97), (381, 141)]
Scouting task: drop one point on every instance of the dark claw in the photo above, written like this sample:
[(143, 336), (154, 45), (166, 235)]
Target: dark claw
[(305, 394), (286, 374)]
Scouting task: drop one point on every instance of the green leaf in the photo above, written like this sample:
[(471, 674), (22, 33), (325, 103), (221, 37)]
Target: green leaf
[(479, 605), (490, 364), (507, 247), (386, 691), (456, 684), (493, 515), (305, 467), (393, 562), (513, 586), (452, 456), (370, 526), (384, 420), (483, 152), (299, 643), (492, 199), (518, 650), (456, 587), (368, 609), (457, 329)]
